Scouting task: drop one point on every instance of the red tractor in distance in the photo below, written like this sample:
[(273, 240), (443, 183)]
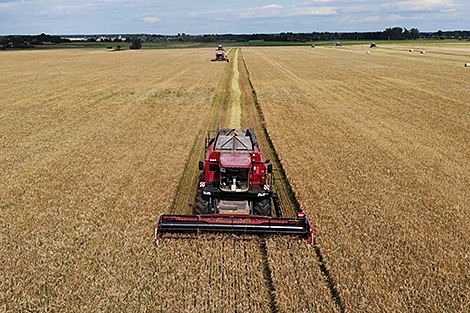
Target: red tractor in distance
[(234, 194)]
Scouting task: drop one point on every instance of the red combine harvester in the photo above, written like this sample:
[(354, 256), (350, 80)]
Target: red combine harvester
[(220, 56), (235, 195)]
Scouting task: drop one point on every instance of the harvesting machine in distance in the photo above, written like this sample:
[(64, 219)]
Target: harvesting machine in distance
[(235, 194), (220, 56)]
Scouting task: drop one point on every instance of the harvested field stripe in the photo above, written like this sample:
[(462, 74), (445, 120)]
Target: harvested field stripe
[(226, 111), (235, 95), (186, 193)]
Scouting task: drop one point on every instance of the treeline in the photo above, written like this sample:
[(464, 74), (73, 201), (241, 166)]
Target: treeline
[(23, 42), (395, 33)]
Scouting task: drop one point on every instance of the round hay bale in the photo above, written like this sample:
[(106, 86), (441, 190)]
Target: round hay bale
[(467, 64), (411, 50), (423, 52), (368, 52)]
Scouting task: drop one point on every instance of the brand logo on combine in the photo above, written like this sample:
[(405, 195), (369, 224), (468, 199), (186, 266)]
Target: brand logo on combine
[(266, 187), (202, 184)]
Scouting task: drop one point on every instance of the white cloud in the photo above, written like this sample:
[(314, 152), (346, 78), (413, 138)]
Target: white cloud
[(272, 6), (313, 11), (65, 11), (269, 11), (111, 1), (421, 5), (72, 8), (8, 5), (394, 17), (141, 16), (375, 18), (151, 19)]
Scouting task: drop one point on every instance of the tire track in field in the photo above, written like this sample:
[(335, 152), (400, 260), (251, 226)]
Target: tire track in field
[(184, 200), (226, 110)]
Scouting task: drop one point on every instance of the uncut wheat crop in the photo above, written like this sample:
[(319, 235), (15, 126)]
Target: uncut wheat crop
[(92, 146), (299, 284), (377, 149), (211, 274)]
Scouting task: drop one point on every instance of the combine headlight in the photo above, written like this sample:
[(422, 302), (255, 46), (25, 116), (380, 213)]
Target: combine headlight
[(262, 194)]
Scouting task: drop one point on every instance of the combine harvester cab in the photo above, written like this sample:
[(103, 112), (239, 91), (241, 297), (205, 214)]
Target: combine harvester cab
[(234, 195)]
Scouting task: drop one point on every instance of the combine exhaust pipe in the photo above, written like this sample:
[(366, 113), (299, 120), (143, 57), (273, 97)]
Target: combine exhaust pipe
[(250, 224)]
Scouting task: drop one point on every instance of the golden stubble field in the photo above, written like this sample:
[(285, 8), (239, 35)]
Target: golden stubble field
[(377, 149), (92, 147)]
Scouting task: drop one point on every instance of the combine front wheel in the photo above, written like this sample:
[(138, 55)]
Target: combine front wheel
[(202, 204), (262, 207)]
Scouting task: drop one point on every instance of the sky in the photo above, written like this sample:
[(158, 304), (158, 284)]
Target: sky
[(195, 17)]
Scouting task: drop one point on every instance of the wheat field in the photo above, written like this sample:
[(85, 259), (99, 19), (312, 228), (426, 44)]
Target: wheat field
[(93, 145), (377, 149)]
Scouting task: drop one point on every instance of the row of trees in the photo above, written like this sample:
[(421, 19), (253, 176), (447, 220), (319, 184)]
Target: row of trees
[(395, 33), (28, 41)]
